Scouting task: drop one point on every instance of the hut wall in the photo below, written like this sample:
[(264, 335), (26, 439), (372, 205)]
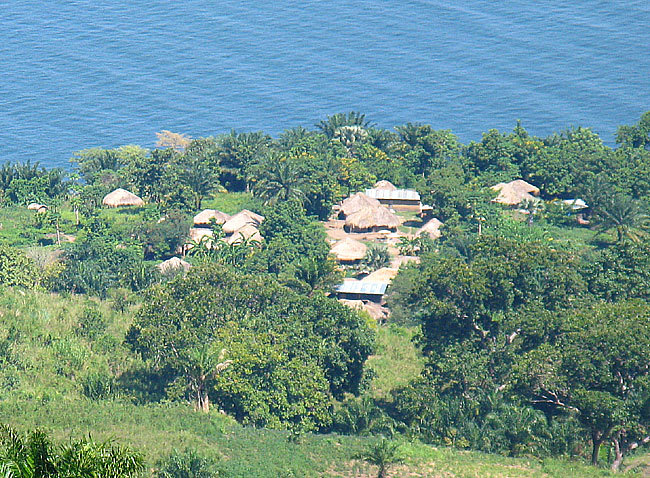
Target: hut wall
[(347, 228), (402, 204), (357, 296)]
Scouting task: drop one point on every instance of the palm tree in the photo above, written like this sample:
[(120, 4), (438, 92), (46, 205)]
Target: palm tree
[(280, 181), (334, 122), (382, 454), (319, 275), (349, 136), (377, 256), (624, 214), (408, 246), (532, 207), (201, 179), (34, 456), (202, 364)]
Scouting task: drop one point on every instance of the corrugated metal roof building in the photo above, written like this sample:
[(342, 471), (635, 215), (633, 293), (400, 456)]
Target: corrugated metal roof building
[(361, 290), (398, 199)]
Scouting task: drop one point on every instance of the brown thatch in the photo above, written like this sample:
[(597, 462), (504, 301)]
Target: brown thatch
[(376, 311), (515, 192), (349, 250), (37, 207), (204, 218), (249, 232), (356, 203), (385, 185), (241, 219), (523, 186), (198, 233), (385, 274), (432, 227), (173, 264), (122, 197), (370, 219)]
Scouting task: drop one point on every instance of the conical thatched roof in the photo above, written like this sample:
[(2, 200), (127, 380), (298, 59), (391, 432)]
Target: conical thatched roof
[(247, 232), (523, 186), (348, 249), (372, 218), (173, 264), (432, 227), (204, 218), (357, 202), (385, 274), (122, 197), (515, 192), (241, 219), (385, 185)]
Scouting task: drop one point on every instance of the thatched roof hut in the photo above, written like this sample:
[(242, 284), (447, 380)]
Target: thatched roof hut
[(432, 227), (121, 197), (37, 207), (349, 250), (204, 218), (372, 219), (515, 192), (523, 186), (174, 263), (198, 233), (385, 274), (249, 232), (241, 219), (385, 185), (356, 203), (376, 311)]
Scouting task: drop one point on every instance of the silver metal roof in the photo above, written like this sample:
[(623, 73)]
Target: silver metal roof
[(403, 194), (362, 287), (575, 204)]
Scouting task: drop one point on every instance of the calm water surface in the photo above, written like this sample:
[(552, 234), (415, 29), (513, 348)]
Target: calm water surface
[(77, 74)]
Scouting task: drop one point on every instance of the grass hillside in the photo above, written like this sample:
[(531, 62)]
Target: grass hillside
[(246, 452), (61, 349)]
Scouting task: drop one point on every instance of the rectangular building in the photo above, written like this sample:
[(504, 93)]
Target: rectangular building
[(361, 290), (398, 199)]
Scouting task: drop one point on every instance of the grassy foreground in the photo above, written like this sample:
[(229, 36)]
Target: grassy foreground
[(50, 347), (248, 452)]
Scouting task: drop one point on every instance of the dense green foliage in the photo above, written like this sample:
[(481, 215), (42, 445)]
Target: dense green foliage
[(289, 353), (34, 456), (529, 324)]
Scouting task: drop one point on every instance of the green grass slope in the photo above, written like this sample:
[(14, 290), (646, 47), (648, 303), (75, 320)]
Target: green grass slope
[(56, 352)]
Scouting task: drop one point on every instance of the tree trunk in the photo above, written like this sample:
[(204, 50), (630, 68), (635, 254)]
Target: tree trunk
[(205, 406), (618, 458), (383, 473), (202, 400), (596, 440)]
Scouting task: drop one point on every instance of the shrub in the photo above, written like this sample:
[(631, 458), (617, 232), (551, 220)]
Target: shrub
[(16, 269), (188, 464)]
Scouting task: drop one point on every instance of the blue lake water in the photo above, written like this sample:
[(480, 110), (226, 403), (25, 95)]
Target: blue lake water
[(77, 74)]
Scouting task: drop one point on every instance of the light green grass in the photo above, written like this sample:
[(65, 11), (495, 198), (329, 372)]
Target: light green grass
[(231, 203), (249, 452), (396, 360)]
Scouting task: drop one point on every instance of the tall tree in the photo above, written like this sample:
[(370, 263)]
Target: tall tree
[(279, 180), (623, 214), (333, 123)]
